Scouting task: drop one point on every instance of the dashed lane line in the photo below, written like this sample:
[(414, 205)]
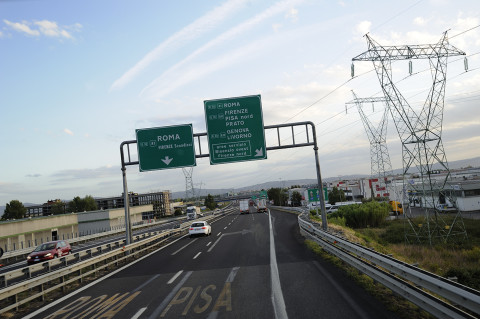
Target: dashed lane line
[(174, 277)]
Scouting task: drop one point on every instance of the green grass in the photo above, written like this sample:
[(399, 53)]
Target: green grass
[(458, 257)]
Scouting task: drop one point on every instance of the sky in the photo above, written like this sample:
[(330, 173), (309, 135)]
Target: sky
[(77, 78)]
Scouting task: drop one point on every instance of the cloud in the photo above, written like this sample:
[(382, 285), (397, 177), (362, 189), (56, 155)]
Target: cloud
[(158, 88), (200, 26), (67, 131), (44, 27), (292, 14), (33, 175), (22, 27), (51, 29), (363, 27), (419, 21)]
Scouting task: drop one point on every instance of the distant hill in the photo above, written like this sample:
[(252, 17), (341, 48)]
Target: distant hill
[(453, 165)]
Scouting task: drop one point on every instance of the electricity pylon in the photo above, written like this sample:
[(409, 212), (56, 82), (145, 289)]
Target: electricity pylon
[(420, 135), (189, 190), (381, 166)]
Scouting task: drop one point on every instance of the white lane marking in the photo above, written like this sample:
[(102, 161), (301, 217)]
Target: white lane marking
[(232, 274), (139, 313), (218, 239), (209, 243), (197, 255), (145, 283), (277, 294), (219, 234), (225, 227), (184, 246), (174, 277), (167, 299)]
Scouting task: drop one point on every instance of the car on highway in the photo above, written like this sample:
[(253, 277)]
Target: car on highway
[(200, 228), (49, 250)]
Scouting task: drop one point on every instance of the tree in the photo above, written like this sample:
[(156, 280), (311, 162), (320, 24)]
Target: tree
[(336, 195), (296, 198), (14, 210), (278, 195), (90, 203), (57, 208), (210, 202), (82, 205)]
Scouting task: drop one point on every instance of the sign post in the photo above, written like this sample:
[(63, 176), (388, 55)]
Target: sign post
[(165, 147), (235, 129)]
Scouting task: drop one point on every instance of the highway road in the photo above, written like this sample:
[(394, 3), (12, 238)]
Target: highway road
[(252, 266)]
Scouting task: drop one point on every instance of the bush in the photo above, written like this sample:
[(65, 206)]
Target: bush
[(178, 212), (467, 277), (372, 214)]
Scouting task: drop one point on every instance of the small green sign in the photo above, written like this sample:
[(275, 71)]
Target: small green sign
[(235, 129), (165, 147), (314, 195)]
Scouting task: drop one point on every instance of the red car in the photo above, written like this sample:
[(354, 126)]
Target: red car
[(50, 250)]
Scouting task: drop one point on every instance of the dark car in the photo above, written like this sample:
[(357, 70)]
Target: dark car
[(50, 250)]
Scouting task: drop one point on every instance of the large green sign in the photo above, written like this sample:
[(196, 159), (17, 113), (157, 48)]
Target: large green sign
[(235, 129), (165, 147)]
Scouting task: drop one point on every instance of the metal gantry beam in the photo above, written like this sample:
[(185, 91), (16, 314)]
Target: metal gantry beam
[(422, 146), (311, 140)]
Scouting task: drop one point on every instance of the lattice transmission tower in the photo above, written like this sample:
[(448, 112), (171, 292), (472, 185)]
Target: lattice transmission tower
[(381, 167), (420, 134), (189, 190)]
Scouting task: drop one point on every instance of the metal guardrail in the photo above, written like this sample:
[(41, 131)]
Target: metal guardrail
[(21, 253), (111, 255), (416, 285)]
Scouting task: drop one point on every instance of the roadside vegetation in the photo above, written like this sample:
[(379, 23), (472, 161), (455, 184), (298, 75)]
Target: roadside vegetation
[(367, 224)]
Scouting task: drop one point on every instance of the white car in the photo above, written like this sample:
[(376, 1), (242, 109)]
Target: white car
[(200, 228)]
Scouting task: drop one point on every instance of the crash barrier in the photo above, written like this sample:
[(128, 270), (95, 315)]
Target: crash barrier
[(416, 285), (73, 268), (21, 252)]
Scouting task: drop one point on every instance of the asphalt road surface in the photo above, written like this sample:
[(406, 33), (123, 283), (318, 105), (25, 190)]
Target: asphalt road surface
[(252, 266)]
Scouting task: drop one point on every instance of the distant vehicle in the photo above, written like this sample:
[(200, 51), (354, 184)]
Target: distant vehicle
[(252, 206), (337, 205), (192, 212), (49, 250), (200, 228), (331, 209), (397, 207), (244, 206), (261, 205)]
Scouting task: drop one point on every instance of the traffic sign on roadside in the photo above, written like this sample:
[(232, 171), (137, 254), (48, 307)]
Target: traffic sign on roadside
[(314, 195), (235, 129), (165, 147)]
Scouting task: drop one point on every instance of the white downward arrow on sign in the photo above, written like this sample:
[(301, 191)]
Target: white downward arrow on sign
[(259, 152), (167, 160)]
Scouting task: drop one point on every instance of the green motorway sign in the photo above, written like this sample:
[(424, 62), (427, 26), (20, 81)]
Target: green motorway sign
[(165, 147), (314, 195), (235, 129)]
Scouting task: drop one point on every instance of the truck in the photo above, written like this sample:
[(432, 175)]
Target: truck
[(244, 206), (397, 207), (261, 205), (192, 212)]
